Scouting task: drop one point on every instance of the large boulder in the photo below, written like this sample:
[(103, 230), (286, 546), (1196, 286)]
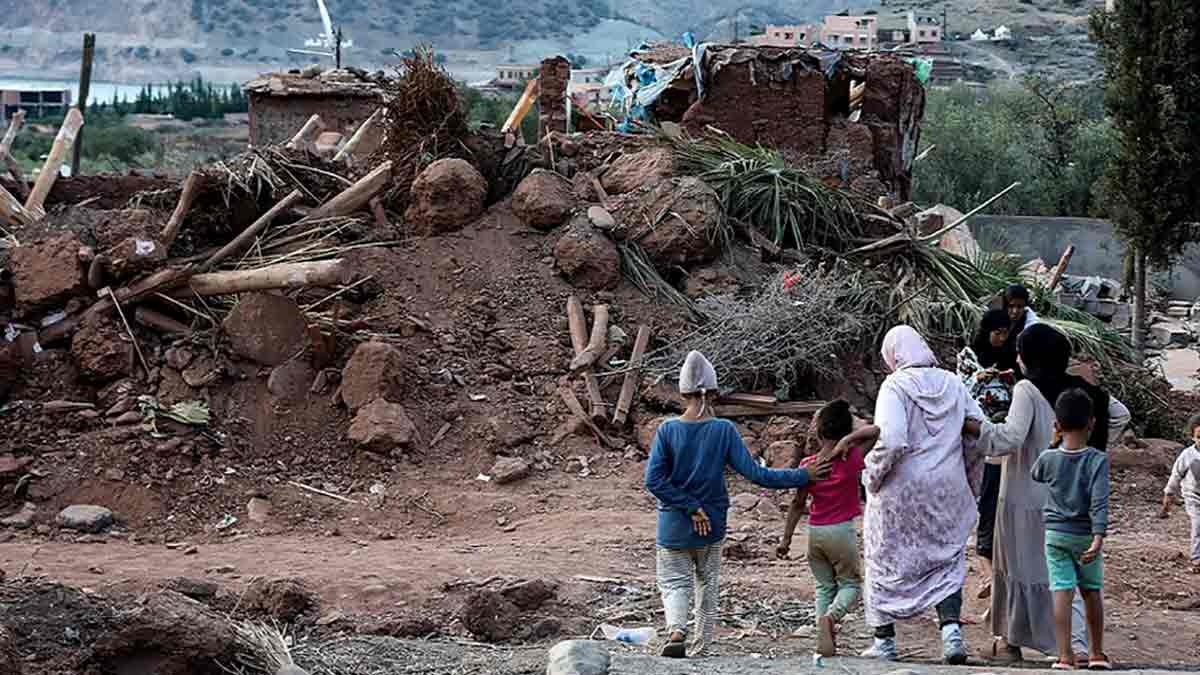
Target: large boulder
[(587, 257), (510, 470), (543, 200), (101, 348), (282, 600), (85, 518), (446, 197), (634, 170), (490, 617), (167, 634), (677, 222), (374, 371), (579, 657), (266, 328), (382, 426), (47, 273)]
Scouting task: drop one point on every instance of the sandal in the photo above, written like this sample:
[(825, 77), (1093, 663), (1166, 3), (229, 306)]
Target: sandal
[(1011, 654), (1101, 663), (675, 647), (1062, 665)]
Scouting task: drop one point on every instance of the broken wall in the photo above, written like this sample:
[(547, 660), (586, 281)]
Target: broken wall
[(553, 78), (799, 102), (275, 119)]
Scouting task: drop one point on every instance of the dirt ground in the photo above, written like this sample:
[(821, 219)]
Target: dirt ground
[(559, 526)]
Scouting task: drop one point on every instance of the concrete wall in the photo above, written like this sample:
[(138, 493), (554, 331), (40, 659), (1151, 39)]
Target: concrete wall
[(1098, 252), (275, 119)]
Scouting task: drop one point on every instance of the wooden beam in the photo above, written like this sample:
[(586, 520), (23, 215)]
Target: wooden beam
[(347, 151), (191, 188), (325, 273), (14, 125), (633, 376), (160, 322), (1061, 268), (11, 211), (35, 204), (304, 138), (239, 242), (14, 168), (356, 196), (750, 399), (576, 408), (577, 324), (85, 84), (513, 123), (596, 343), (787, 408)]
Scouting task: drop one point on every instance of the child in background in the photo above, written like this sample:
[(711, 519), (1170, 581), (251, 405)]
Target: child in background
[(1076, 518), (832, 538), (686, 473), (1185, 478)]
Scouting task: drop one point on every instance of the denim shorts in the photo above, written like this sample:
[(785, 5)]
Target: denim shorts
[(1062, 561)]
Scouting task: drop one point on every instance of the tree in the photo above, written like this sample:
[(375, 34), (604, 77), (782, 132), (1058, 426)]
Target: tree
[(1152, 187)]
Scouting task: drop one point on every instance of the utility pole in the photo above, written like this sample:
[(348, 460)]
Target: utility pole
[(85, 83), (337, 49), (945, 26)]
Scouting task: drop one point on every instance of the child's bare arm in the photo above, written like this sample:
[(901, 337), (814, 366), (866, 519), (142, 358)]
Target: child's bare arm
[(793, 518), (865, 437)]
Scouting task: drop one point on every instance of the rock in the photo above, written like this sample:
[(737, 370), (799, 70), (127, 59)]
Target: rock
[(11, 466), (284, 600), (45, 274), (22, 519), (780, 454), (583, 188), (179, 357), (134, 255), (631, 171), (184, 637), (202, 372), (543, 629), (744, 503), (102, 349), (601, 218), (529, 595), (196, 589), (490, 617), (382, 426), (258, 510), (1171, 333), (676, 222), (85, 518), (738, 550), (509, 470), (543, 200), (447, 196), (291, 380), (579, 657), (587, 257), (375, 371), (266, 328), (1153, 453)]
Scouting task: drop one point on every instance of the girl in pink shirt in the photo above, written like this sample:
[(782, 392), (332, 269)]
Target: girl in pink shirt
[(832, 538)]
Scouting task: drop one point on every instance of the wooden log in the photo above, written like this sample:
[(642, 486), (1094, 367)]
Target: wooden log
[(247, 235), (304, 138), (11, 211), (596, 343), (35, 204), (632, 377), (519, 111), (13, 167), (160, 322), (750, 399), (347, 151), (85, 84), (787, 408), (14, 125), (577, 325), (1061, 268), (191, 188), (356, 196), (325, 273), (161, 281), (576, 409), (18, 175)]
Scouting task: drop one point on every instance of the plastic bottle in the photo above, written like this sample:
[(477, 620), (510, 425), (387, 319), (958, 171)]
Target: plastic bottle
[(632, 636)]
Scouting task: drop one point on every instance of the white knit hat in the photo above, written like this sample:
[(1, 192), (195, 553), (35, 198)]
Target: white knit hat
[(697, 374)]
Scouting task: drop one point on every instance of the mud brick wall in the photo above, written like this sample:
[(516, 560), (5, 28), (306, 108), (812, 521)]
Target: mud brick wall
[(802, 114), (275, 119), (552, 95)]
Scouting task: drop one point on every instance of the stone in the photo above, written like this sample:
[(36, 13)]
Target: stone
[(85, 518), (134, 255), (11, 466), (529, 595), (676, 222), (447, 196), (187, 636), (587, 257), (196, 589), (101, 348), (490, 617), (46, 273), (374, 371), (631, 171), (744, 503), (284, 600), (382, 426), (780, 454), (1171, 333), (601, 218), (584, 189), (579, 657), (292, 380), (202, 372), (543, 200), (258, 510), (22, 519), (179, 357), (509, 470), (266, 328)]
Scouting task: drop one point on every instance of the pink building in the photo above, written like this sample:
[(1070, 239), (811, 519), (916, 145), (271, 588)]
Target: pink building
[(850, 32), (803, 35), (924, 28)]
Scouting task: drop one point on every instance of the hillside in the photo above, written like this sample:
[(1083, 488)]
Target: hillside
[(152, 39)]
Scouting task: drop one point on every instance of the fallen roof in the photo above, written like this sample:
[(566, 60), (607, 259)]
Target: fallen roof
[(330, 82)]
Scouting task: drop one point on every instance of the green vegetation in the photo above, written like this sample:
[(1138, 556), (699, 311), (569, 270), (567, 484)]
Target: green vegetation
[(494, 110), (1054, 139), (184, 100), (109, 144)]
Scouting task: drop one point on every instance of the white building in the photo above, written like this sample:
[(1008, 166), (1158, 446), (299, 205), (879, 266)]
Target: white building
[(1002, 33), (979, 36)]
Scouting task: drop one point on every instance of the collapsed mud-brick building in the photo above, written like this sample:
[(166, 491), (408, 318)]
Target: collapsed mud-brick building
[(280, 103), (851, 118)]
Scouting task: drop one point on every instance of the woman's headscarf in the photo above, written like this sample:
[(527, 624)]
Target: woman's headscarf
[(697, 376), (1046, 353), (1003, 357), (914, 372), (904, 347)]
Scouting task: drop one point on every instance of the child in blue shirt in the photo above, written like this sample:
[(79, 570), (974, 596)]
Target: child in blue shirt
[(686, 473)]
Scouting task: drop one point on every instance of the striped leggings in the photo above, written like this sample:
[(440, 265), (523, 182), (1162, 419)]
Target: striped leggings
[(685, 573)]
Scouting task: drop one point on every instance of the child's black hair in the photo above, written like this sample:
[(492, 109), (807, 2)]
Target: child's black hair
[(834, 421), (1192, 423), (1074, 410), (1016, 292)]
